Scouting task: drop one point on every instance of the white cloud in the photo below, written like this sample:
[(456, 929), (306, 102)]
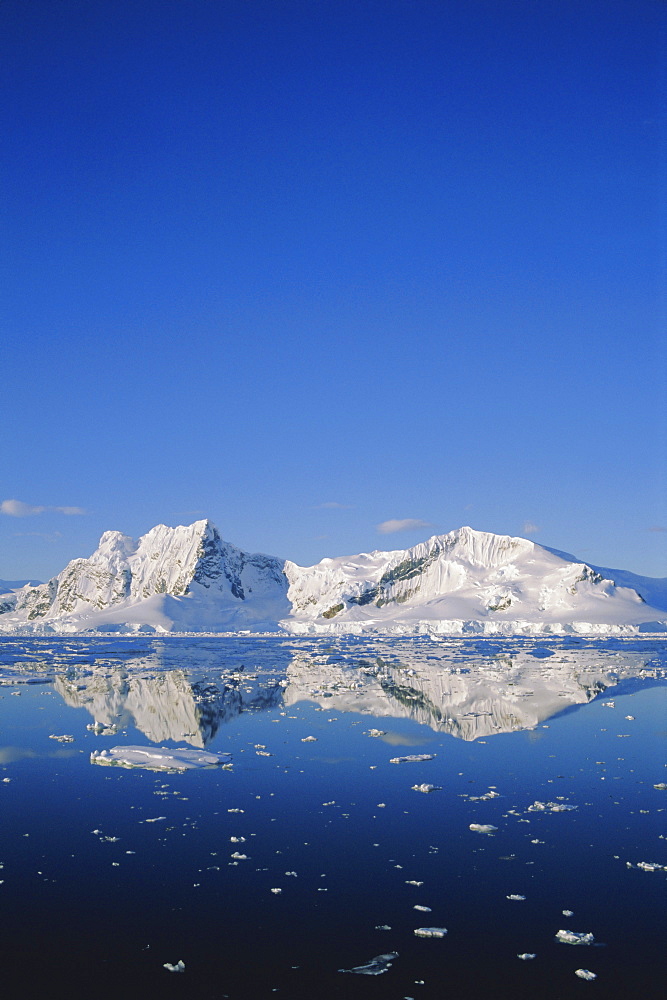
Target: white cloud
[(17, 508), (529, 528), (332, 505), (404, 524)]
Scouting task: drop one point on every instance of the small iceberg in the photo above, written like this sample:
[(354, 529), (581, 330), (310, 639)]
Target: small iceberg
[(574, 937), (425, 788), (376, 966), (430, 932), (526, 956), (585, 974), (159, 758), (483, 828), (179, 967)]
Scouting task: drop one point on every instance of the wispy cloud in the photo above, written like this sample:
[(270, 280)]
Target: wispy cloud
[(332, 505), (529, 528), (49, 536), (657, 527), (401, 524), (17, 508)]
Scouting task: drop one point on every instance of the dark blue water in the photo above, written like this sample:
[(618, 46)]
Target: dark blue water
[(84, 916)]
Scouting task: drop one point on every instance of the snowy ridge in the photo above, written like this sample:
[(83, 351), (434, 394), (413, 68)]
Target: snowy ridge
[(465, 582)]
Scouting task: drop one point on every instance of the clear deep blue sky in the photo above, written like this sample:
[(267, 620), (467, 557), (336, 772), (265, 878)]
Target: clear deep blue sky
[(309, 266)]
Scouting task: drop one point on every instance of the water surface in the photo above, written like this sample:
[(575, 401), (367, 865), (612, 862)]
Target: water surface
[(109, 873)]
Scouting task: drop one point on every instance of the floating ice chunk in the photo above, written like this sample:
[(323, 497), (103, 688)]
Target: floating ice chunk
[(179, 967), (382, 927), (276, 892), (239, 857), (159, 758), (609, 704), (101, 729), (309, 739), (375, 732), (585, 974), (430, 932), (630, 718), (237, 840), (62, 739), (526, 956), (483, 828), (422, 909), (574, 937), (554, 807), (155, 819), (514, 896), (426, 788), (568, 913), (661, 786), (651, 866), (412, 758), (376, 966), (412, 882)]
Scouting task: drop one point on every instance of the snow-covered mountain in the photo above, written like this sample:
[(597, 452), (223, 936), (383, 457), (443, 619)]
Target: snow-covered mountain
[(184, 578), (465, 581), (189, 579)]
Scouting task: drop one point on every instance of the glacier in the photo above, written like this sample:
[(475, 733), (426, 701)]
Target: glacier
[(188, 579)]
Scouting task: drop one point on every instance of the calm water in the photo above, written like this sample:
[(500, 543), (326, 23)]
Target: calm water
[(108, 872)]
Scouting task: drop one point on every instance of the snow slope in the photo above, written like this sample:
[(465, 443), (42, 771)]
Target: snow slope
[(188, 579), (464, 581)]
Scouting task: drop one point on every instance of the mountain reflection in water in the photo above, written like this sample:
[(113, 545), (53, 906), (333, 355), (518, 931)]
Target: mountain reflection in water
[(464, 692)]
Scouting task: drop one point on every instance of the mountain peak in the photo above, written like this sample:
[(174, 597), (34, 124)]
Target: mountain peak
[(188, 578)]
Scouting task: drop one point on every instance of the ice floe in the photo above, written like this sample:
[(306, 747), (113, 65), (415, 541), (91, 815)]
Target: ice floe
[(159, 758), (554, 807), (585, 974), (526, 956), (430, 932), (483, 828), (376, 966), (575, 937), (515, 896), (426, 788), (179, 967), (412, 758)]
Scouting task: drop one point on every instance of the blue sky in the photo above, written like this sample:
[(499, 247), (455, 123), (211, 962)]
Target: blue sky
[(307, 267)]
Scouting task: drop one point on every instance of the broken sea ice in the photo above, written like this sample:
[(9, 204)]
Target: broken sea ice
[(376, 966)]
